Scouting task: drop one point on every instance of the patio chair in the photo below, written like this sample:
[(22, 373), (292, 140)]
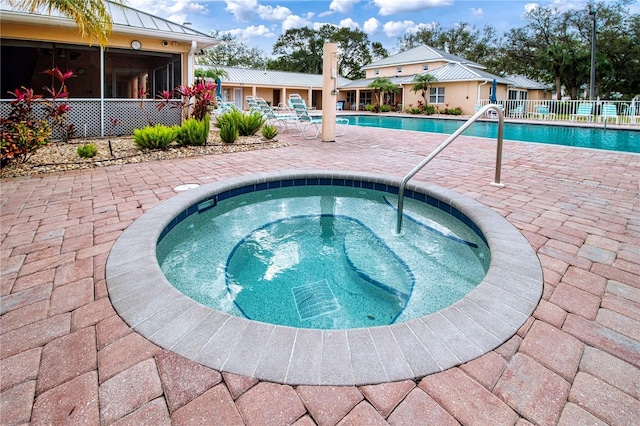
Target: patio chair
[(584, 111), (281, 120), (223, 107), (608, 113), (542, 112), (492, 114), (304, 120), (632, 114), (517, 112)]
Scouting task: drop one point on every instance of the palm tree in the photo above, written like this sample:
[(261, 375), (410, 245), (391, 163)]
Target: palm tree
[(382, 86), (423, 82), (91, 16)]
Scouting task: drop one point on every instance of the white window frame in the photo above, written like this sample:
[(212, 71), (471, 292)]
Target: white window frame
[(436, 95)]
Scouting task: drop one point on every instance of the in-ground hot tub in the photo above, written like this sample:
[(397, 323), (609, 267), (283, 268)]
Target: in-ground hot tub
[(482, 319)]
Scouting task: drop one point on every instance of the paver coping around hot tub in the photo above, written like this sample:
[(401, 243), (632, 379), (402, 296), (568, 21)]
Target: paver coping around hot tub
[(479, 322)]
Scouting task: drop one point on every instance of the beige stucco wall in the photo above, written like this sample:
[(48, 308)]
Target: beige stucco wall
[(407, 69)]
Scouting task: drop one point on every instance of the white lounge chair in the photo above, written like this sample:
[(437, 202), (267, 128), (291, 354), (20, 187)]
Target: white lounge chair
[(608, 113), (584, 111), (517, 112), (304, 120), (542, 112), (284, 121)]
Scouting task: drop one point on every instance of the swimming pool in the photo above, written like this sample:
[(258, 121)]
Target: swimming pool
[(582, 137)]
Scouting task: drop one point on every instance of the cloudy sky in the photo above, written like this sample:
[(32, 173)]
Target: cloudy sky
[(260, 22)]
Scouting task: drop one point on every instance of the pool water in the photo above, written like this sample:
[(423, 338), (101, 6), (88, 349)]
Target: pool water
[(326, 257), (583, 137)]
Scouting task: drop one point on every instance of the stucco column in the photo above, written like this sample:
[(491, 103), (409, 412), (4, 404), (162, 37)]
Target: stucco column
[(329, 91)]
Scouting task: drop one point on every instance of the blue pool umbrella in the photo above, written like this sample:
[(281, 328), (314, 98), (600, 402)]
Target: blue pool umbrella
[(494, 86), (219, 88)]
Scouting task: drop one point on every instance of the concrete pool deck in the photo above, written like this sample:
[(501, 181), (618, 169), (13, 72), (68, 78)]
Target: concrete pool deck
[(66, 356)]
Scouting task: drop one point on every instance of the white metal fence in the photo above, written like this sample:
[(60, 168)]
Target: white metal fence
[(620, 112), (92, 118)]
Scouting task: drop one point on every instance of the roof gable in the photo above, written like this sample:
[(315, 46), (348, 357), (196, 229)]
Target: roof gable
[(420, 54)]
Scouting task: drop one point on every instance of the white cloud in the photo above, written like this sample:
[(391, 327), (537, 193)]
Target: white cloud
[(175, 11), (530, 6), (251, 32), (371, 26), (270, 13), (242, 10), (342, 6), (390, 7), (477, 11), (295, 21), (349, 23), (397, 28)]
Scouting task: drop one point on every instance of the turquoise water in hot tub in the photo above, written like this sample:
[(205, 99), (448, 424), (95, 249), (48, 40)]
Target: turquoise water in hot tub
[(323, 257)]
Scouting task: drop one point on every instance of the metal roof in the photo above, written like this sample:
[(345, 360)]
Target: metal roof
[(125, 20), (420, 54), (523, 82), (448, 73), (262, 77)]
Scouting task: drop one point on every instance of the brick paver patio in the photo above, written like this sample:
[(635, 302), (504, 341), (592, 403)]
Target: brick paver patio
[(66, 357)]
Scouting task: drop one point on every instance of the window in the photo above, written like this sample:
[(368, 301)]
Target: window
[(425, 67), (398, 70), (436, 95), (365, 98), (376, 72), (351, 96)]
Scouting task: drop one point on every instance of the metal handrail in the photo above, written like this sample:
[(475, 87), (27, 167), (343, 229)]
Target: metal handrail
[(444, 144)]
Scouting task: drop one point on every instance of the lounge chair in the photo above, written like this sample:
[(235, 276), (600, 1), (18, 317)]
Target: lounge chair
[(304, 120), (542, 112), (608, 113), (517, 112), (584, 111), (492, 113), (223, 107), (281, 120), (632, 114)]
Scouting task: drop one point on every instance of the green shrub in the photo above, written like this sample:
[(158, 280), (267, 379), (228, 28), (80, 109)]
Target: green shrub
[(247, 124), (21, 139), (154, 137), (369, 107), (414, 110), (269, 131), (429, 109), (250, 123), (88, 150), (193, 132), (453, 111), (228, 132), (385, 108)]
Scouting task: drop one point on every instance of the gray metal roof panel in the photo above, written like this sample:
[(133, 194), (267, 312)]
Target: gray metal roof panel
[(526, 83), (123, 17), (262, 77)]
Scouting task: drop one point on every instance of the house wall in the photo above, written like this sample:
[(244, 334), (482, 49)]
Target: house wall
[(407, 69)]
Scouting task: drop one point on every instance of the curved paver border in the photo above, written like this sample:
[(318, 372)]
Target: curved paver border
[(479, 322)]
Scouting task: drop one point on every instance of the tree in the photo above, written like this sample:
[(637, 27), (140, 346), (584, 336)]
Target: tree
[(232, 52), (91, 16), (423, 82), (382, 86), (461, 40), (300, 50)]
